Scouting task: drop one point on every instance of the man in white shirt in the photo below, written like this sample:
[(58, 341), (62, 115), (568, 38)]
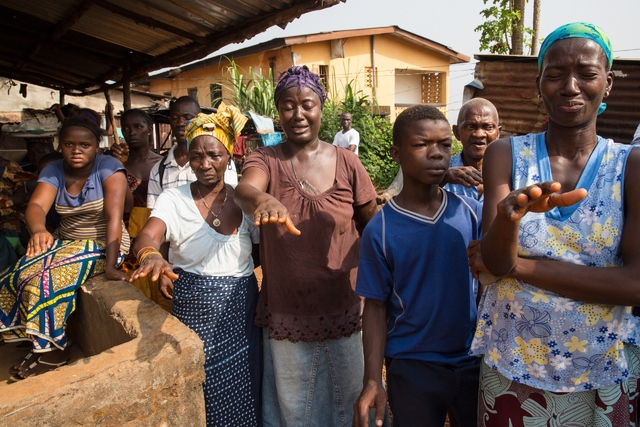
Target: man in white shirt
[(348, 137)]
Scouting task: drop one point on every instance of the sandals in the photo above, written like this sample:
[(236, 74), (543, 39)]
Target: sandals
[(15, 369), (36, 368)]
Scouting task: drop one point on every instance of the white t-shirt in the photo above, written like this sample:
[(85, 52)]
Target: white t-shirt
[(198, 248), (344, 140)]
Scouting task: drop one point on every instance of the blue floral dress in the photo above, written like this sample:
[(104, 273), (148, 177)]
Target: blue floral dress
[(542, 339)]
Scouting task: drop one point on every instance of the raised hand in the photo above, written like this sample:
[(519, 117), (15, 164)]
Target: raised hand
[(540, 197)]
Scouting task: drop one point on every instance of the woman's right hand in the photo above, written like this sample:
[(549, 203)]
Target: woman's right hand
[(120, 150), (539, 197), (38, 243), (272, 211), (156, 265)]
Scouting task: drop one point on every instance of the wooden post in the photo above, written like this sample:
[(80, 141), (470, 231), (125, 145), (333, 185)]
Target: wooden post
[(126, 86)]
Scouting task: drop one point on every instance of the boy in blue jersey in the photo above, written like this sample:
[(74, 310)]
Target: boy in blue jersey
[(420, 309)]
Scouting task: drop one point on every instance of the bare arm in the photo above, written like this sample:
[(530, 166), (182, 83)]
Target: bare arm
[(152, 237), (362, 214), (115, 188), (251, 196), (503, 210), (611, 285), (41, 201), (374, 340)]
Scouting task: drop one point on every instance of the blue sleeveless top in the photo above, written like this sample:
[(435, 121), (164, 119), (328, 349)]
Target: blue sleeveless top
[(541, 338)]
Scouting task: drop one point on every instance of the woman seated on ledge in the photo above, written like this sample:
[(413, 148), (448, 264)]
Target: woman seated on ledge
[(212, 245), (38, 293)]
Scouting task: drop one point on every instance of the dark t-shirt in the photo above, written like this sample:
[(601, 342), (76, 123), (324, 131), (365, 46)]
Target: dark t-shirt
[(309, 280)]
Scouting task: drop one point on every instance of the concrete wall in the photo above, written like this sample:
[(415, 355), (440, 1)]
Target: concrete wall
[(143, 367), (393, 56)]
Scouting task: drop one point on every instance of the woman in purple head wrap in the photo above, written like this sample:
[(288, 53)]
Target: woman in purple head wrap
[(309, 199)]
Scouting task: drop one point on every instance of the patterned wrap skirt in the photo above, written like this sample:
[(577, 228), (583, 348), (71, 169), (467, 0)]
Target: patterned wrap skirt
[(503, 402), (38, 294), (221, 311)]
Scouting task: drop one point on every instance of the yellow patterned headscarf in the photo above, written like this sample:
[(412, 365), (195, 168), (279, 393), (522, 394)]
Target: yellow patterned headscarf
[(225, 126)]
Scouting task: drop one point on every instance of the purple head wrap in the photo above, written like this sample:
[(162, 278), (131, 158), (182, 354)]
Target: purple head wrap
[(300, 77)]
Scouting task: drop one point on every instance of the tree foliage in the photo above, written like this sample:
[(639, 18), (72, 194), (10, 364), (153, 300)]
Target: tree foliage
[(501, 18), (375, 132)]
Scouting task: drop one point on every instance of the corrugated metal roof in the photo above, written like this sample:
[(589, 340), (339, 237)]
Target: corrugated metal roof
[(510, 84), (78, 45)]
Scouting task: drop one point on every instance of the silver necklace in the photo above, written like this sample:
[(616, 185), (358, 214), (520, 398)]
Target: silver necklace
[(216, 221), (301, 179)]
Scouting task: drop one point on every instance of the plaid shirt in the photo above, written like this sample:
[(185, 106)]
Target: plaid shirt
[(174, 176)]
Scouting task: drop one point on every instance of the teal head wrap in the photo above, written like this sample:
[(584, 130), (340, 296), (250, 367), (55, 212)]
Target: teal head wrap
[(581, 30)]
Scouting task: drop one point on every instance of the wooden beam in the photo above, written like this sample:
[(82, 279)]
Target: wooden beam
[(58, 31), (235, 34), (149, 22)]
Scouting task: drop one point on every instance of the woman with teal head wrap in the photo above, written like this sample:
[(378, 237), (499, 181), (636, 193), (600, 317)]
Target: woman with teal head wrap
[(582, 30), (561, 220)]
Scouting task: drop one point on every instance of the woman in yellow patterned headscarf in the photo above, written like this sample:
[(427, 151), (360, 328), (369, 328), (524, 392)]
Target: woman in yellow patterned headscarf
[(213, 246)]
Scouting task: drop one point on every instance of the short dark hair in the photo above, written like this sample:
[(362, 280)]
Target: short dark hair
[(412, 115), (80, 121), (184, 100), (138, 112), (476, 102)]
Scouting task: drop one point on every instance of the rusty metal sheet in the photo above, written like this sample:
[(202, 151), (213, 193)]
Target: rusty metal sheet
[(510, 84)]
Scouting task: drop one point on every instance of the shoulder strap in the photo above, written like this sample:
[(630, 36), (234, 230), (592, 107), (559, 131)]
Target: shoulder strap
[(161, 167)]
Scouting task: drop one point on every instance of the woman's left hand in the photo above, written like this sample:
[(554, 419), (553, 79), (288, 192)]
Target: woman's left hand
[(112, 273), (474, 253)]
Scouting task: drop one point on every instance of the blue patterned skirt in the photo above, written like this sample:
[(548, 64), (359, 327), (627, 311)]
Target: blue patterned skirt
[(221, 311)]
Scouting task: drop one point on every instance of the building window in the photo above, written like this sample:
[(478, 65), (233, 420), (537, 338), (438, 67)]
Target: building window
[(370, 76), (433, 88), (272, 67), (215, 90), (193, 92), (323, 74)]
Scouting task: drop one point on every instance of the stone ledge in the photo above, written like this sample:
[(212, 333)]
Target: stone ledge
[(143, 368)]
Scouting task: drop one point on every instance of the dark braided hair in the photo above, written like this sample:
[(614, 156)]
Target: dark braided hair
[(80, 121), (300, 77), (137, 112)]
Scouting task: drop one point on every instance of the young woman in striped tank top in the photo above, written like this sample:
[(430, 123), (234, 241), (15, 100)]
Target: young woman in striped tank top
[(38, 293)]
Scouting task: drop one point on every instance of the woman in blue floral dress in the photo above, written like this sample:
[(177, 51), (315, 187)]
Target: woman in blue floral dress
[(562, 221)]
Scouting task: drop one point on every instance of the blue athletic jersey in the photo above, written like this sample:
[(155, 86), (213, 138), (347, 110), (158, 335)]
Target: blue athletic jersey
[(418, 265)]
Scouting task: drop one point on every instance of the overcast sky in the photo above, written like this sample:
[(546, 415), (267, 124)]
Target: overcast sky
[(452, 23)]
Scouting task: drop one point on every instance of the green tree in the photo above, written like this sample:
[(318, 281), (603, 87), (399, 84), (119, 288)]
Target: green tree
[(375, 132), (503, 30)]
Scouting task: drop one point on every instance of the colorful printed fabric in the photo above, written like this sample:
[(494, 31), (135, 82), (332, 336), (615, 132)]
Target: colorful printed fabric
[(38, 294), (502, 402), (543, 339), (9, 217), (225, 125), (221, 310)]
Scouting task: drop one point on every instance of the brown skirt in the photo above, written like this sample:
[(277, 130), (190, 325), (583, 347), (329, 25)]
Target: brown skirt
[(503, 403)]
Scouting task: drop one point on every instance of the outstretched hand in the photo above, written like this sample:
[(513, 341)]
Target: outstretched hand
[(156, 265), (540, 197), (274, 213)]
